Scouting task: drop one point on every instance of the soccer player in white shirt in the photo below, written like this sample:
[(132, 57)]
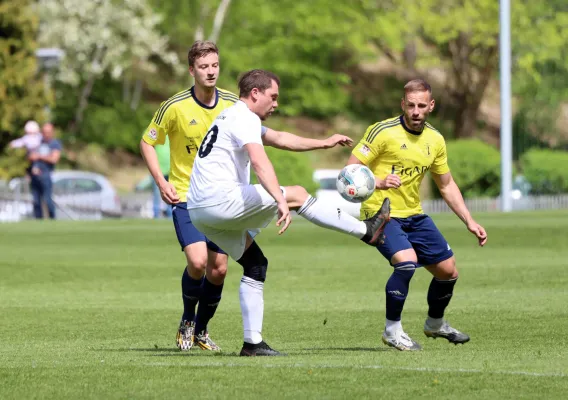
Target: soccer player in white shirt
[(230, 211)]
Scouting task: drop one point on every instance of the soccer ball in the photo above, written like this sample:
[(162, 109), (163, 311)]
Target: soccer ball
[(355, 183)]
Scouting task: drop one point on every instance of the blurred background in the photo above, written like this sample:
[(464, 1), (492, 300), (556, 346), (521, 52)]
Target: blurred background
[(99, 69)]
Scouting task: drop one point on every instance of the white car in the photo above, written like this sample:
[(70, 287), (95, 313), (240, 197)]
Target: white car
[(77, 194), (328, 193)]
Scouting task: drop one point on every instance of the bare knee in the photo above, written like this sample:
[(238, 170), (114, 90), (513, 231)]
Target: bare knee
[(296, 196), (196, 261), (217, 268), (445, 270)]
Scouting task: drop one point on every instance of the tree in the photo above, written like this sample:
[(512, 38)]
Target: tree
[(22, 94), (458, 45), (102, 36)]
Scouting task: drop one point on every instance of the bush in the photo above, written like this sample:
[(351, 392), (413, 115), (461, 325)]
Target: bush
[(546, 170), (13, 163), (291, 169), (115, 127), (475, 167)]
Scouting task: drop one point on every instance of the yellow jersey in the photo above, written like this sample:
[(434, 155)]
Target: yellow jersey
[(390, 147), (185, 120)]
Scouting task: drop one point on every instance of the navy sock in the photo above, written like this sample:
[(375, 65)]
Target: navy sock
[(191, 290), (439, 296), (207, 305), (397, 288)]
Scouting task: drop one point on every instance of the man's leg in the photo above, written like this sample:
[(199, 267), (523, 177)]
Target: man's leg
[(326, 216), (48, 195), (36, 189), (434, 252), (439, 295), (194, 246), (211, 296), (251, 296)]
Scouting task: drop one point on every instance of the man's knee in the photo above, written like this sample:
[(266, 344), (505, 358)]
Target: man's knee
[(445, 270), (217, 268), (196, 256), (296, 196), (254, 263)]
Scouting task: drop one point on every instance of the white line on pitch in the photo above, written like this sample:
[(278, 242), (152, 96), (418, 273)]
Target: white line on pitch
[(324, 366)]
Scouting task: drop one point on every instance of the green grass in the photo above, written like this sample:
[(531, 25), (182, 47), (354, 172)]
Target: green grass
[(90, 309)]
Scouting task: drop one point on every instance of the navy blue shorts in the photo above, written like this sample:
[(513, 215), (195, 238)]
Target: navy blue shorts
[(186, 232), (419, 233)]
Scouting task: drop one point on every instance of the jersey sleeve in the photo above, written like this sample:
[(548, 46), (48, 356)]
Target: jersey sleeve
[(157, 131), (369, 147), (440, 164), (247, 130)]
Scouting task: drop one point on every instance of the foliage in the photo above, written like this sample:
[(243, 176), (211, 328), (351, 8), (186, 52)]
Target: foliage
[(22, 94), (103, 36), (13, 163), (115, 127), (546, 170), (291, 169), (475, 167)]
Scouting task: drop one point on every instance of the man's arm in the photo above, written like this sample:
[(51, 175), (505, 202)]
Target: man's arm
[(264, 170), (52, 158), (291, 142), (151, 159), (452, 196), (390, 182)]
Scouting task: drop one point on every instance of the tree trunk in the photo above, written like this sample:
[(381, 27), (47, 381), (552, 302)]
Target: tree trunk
[(86, 92), (219, 19), (138, 86)]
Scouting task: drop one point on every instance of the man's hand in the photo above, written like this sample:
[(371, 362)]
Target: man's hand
[(168, 193), (390, 182), (283, 217), (337, 139), (478, 231), (33, 156)]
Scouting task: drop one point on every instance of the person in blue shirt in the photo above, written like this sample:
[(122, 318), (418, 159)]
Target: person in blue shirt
[(43, 161)]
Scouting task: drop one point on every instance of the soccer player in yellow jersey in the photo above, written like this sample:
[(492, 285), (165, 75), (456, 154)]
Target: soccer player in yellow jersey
[(400, 151), (185, 118)]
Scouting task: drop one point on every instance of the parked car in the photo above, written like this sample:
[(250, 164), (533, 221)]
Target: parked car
[(78, 195), (328, 191)]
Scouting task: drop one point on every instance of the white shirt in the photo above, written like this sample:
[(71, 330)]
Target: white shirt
[(222, 163)]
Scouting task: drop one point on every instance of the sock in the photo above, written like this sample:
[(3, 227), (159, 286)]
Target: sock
[(391, 327), (191, 290), (321, 214), (439, 296), (397, 289), (208, 303), (252, 309)]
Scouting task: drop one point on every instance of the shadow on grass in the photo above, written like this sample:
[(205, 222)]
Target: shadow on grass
[(362, 349)]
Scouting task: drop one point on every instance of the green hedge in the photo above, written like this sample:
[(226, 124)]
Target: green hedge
[(546, 170), (115, 127), (291, 169), (475, 167)]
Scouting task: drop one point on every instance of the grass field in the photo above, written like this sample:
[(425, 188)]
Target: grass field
[(90, 309)]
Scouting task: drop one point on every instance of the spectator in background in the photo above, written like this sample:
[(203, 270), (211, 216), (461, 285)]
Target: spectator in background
[(31, 139), (43, 161), (163, 152)]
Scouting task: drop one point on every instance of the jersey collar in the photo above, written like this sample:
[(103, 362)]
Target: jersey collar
[(200, 104), (407, 129)]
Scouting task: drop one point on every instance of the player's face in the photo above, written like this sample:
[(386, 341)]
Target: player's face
[(417, 106), (267, 102), (206, 70)]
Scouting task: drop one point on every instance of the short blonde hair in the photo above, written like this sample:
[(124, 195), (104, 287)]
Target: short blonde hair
[(417, 85), (201, 48)]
